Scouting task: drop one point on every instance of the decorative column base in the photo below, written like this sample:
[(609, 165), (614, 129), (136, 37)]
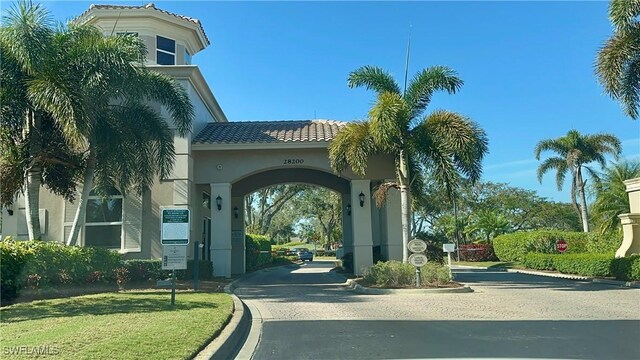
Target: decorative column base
[(631, 230)]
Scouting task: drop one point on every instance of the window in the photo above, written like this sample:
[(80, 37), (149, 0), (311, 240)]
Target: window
[(187, 57), (165, 51), (103, 221)]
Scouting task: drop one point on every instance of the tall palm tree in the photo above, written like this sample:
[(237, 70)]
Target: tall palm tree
[(611, 193), (103, 94), (445, 143), (26, 45), (618, 63), (575, 151)]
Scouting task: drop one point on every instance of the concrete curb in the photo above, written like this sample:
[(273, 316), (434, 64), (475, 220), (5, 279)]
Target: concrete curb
[(578, 278), (353, 285), (226, 343)]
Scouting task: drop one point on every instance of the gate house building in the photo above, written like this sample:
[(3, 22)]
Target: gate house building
[(217, 164)]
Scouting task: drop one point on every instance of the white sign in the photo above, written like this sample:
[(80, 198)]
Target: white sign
[(418, 260), (449, 248), (174, 257), (417, 246), (175, 226)]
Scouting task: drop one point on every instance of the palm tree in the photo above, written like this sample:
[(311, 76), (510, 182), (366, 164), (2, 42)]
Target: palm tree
[(618, 63), (611, 193), (575, 152), (26, 45), (445, 143), (103, 95)]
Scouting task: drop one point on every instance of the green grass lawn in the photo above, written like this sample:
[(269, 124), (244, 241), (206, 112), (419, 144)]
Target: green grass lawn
[(126, 325), (489, 264)]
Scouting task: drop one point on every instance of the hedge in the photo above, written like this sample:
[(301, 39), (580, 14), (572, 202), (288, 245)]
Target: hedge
[(151, 270), (514, 246), (39, 264), (397, 274), (593, 265), (477, 252), (258, 251), (606, 243)]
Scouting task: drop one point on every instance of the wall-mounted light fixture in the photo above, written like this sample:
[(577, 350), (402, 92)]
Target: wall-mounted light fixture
[(349, 209), (361, 196), (235, 212), (219, 202), (10, 212)]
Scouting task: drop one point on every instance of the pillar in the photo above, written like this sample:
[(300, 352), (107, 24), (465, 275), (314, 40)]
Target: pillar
[(361, 223), (392, 246), (347, 231), (631, 221), (238, 246), (221, 229)]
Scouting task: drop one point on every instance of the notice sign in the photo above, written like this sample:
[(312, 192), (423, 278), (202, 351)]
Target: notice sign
[(174, 257), (175, 227)]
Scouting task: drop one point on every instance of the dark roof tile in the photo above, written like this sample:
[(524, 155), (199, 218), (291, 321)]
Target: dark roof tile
[(243, 132)]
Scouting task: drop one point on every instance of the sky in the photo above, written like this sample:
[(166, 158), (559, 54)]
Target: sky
[(528, 67)]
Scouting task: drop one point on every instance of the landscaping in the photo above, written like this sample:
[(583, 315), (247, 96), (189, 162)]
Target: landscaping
[(397, 275), (124, 325)]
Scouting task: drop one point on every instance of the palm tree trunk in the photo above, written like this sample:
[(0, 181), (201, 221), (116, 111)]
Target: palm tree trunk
[(583, 199), (403, 177), (33, 180), (573, 197), (87, 185)]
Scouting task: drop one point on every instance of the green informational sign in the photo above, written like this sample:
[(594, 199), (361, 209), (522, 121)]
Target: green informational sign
[(175, 227)]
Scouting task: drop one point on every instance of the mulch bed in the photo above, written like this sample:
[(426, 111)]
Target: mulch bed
[(450, 285)]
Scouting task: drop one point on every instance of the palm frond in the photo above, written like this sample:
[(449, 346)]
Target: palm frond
[(428, 81), (373, 78), (352, 147), (554, 163), (550, 145), (464, 141), (389, 122), (623, 13)]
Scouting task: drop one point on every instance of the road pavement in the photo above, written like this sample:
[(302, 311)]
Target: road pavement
[(307, 314)]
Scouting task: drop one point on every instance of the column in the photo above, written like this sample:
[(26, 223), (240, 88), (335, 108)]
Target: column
[(631, 221), (221, 229), (392, 246), (361, 222), (238, 246), (347, 227)]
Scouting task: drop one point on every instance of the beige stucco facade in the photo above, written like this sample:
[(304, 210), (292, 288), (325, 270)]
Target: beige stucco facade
[(226, 170)]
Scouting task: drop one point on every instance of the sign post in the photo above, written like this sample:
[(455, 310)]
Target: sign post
[(417, 259), (449, 248), (174, 238)]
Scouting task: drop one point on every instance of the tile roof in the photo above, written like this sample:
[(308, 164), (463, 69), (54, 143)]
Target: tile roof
[(243, 132), (147, 6)]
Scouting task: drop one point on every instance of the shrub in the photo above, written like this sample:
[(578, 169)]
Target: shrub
[(151, 270), (145, 270), (254, 255), (477, 252), (395, 274), (122, 276), (606, 243), (13, 256), (578, 264), (514, 246), (627, 268)]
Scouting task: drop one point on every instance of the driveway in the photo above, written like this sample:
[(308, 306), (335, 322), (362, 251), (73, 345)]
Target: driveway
[(307, 314)]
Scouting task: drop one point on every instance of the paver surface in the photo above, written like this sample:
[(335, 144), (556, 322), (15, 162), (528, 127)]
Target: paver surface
[(308, 314)]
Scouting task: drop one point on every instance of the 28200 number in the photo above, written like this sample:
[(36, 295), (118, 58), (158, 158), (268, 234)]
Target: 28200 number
[(293, 161)]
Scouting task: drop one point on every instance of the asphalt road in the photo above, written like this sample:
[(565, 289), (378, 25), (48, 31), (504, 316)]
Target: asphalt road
[(306, 314)]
